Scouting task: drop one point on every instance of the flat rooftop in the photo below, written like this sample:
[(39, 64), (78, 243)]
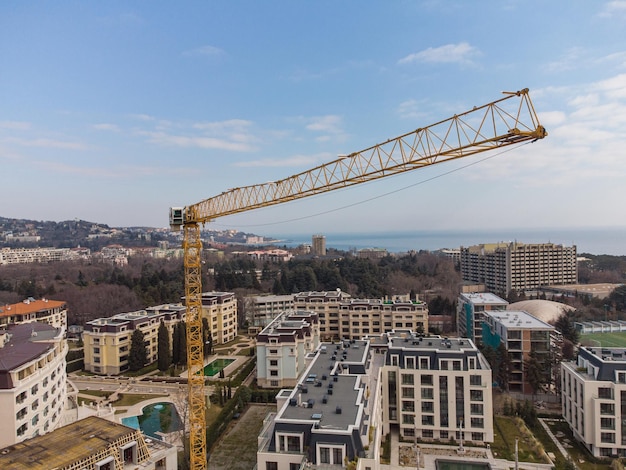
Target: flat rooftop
[(484, 298), (326, 388), (512, 319), (432, 343)]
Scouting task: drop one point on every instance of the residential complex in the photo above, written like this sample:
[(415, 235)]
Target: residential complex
[(354, 391), (260, 310), (52, 312), (342, 317), (91, 443), (107, 340), (593, 398), (283, 346), (523, 335), (33, 386), (437, 388), (470, 313), (513, 266)]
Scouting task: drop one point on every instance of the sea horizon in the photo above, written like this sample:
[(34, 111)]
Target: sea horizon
[(595, 241)]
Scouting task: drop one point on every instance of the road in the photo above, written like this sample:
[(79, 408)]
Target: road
[(127, 385)]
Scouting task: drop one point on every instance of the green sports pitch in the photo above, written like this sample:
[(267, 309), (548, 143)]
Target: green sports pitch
[(606, 340)]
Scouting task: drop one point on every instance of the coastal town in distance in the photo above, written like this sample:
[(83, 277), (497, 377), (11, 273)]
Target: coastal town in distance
[(496, 355)]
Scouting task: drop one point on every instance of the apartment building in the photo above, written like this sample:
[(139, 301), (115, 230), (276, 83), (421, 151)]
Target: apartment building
[(436, 388), (513, 266), (342, 317), (593, 398), (521, 333), (260, 310), (323, 421), (318, 245), (52, 312), (91, 443), (283, 346), (220, 309), (470, 310), (33, 386), (107, 340)]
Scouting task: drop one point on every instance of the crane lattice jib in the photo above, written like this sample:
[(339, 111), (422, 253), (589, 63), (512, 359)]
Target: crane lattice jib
[(510, 120)]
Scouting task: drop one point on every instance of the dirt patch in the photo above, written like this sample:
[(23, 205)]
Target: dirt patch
[(238, 447)]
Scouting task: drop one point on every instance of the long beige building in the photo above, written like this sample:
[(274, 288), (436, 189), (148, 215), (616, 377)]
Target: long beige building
[(52, 312), (107, 340), (342, 317), (513, 266)]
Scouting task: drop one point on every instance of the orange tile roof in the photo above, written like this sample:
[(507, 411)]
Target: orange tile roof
[(32, 306)]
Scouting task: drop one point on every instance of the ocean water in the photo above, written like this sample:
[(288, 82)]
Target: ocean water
[(608, 241)]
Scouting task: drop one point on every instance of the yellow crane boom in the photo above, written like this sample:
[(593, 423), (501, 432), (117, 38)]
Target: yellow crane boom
[(510, 120)]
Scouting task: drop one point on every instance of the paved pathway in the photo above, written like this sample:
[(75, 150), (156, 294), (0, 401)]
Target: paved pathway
[(559, 446)]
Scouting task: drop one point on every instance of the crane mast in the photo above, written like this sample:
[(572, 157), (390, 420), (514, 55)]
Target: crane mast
[(510, 120)]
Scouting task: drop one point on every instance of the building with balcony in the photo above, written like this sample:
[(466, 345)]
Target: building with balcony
[(524, 337), (107, 340), (506, 267), (593, 399), (33, 387), (323, 421), (52, 312), (91, 443), (470, 313), (220, 309), (260, 310), (436, 388), (342, 317), (283, 346)]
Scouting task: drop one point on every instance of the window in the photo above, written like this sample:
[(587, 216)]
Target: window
[(271, 465), (408, 406), (607, 423), (324, 455), (607, 408), (476, 395), (293, 444), (273, 383), (475, 380), (274, 373), (96, 350), (427, 433), (274, 362), (427, 379), (605, 392), (428, 420), (477, 436), (410, 362), (476, 408), (428, 407), (408, 392), (427, 393), (608, 437), (477, 422), (407, 379), (408, 419), (444, 365), (424, 363)]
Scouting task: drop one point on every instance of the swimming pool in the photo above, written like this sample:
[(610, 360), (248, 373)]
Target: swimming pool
[(158, 417), (442, 464), (216, 365)]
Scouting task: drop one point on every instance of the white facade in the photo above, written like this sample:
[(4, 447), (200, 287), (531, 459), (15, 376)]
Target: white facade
[(437, 388), (262, 309), (470, 313), (283, 346), (33, 385), (593, 398)]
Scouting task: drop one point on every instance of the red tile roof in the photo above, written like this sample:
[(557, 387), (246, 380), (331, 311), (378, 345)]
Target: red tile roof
[(30, 306)]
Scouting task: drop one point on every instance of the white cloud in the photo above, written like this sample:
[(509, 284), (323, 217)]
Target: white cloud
[(162, 138), (204, 51), (295, 161), (461, 53), (329, 123), (46, 143), (15, 125), (106, 127), (613, 8), (570, 60)]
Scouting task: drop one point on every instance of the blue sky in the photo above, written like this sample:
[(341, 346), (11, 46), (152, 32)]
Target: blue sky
[(114, 111)]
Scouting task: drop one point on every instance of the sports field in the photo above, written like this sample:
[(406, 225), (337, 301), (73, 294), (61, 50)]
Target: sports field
[(607, 340)]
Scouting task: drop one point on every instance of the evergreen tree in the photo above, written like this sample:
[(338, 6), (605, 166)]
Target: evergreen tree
[(207, 337), (138, 355), (165, 357), (535, 370), (182, 343), (176, 344)]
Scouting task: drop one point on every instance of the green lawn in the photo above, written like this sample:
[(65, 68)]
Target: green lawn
[(610, 340)]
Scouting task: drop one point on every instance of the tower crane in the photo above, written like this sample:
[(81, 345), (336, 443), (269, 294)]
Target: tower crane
[(507, 121)]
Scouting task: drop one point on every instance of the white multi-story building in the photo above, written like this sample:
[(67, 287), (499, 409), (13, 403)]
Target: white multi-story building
[(593, 398), (506, 267), (283, 346), (262, 309), (91, 443), (437, 388), (52, 312), (470, 310), (344, 318), (33, 385)]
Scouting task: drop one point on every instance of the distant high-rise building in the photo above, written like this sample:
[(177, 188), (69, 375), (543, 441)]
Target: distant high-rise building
[(319, 245), (513, 266)]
